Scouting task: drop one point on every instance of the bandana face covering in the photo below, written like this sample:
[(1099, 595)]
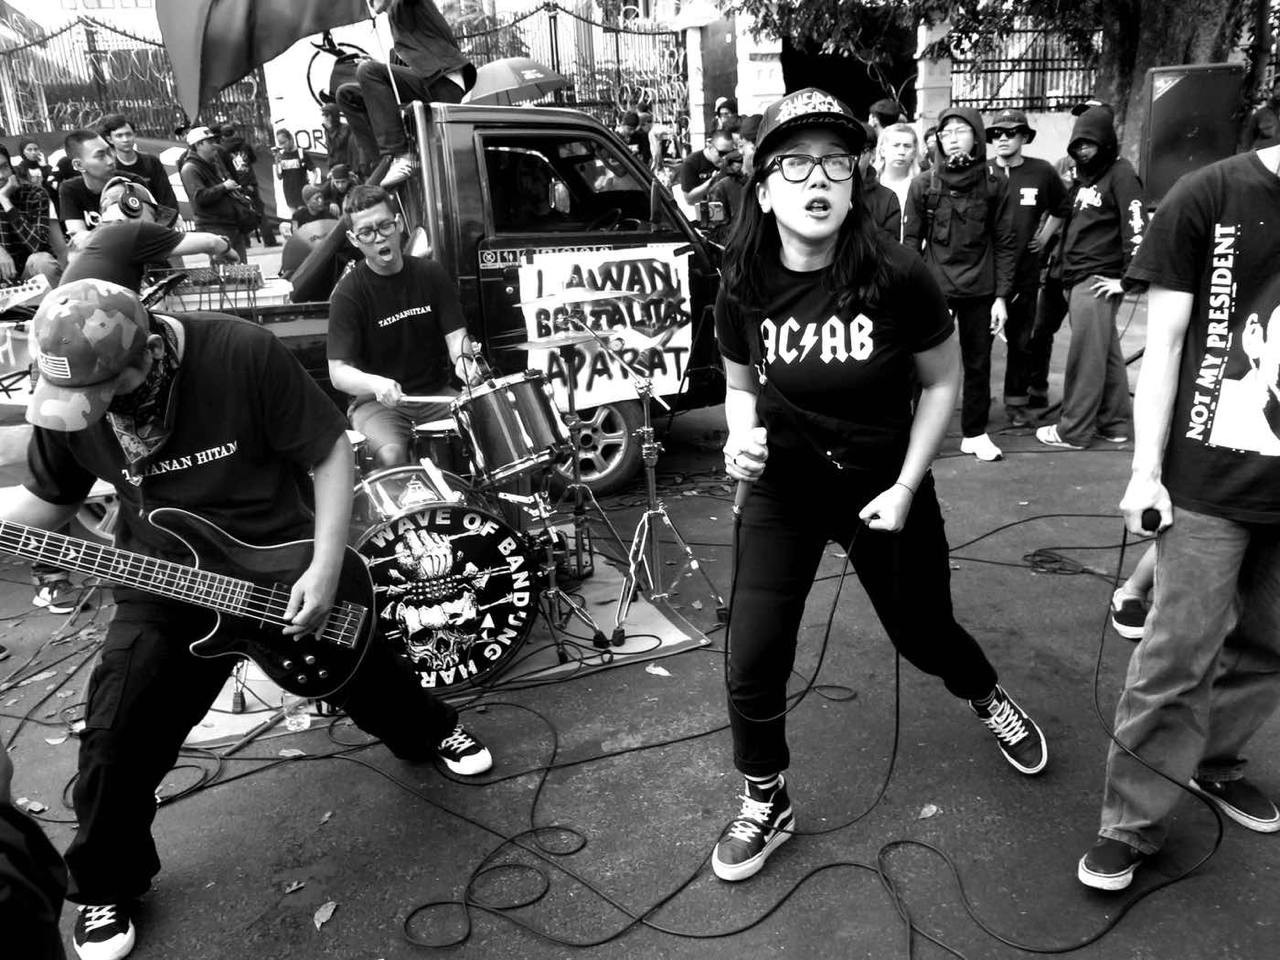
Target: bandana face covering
[(143, 419)]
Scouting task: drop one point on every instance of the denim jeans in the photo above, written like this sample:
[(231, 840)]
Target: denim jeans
[(1205, 676), (1095, 394), (792, 513)]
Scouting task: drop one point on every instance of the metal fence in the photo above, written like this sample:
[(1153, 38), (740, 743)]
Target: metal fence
[(1030, 69), (612, 67), (76, 75)]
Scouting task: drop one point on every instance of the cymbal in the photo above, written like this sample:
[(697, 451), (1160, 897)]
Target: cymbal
[(549, 343), (582, 295)]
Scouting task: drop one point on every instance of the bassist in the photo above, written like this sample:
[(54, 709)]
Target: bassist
[(210, 414)]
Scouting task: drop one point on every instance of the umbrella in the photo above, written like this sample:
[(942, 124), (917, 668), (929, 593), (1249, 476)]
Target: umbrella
[(213, 43), (514, 80)]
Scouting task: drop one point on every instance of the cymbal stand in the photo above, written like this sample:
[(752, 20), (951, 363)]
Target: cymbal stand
[(645, 555), (584, 499)]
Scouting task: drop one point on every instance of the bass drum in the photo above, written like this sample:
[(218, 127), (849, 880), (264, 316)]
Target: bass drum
[(456, 591)]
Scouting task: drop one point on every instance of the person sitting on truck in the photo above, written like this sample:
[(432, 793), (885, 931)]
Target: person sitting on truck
[(396, 331), (699, 170), (427, 65)]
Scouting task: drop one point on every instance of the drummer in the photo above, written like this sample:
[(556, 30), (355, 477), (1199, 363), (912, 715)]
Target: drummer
[(396, 332)]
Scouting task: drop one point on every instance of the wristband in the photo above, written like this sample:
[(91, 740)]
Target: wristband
[(899, 483)]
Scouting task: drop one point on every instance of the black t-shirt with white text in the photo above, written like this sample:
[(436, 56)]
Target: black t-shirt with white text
[(395, 326), (249, 423), (121, 251), (853, 367), (1216, 235), (1035, 189), (77, 202)]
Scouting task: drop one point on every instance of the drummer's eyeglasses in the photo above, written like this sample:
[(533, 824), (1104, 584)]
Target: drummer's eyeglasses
[(796, 167), (383, 229)]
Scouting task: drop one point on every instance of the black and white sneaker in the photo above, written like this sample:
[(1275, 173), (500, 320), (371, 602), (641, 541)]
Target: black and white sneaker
[(1017, 735), (103, 932), (764, 822), (463, 754), (1108, 865)]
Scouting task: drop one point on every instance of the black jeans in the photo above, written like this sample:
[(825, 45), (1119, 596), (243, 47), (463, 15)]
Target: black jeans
[(792, 513), (1018, 357), (147, 692), (373, 112), (973, 320), (1051, 310)]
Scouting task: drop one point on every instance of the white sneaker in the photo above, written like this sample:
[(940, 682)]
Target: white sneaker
[(982, 448), (103, 932), (401, 169)]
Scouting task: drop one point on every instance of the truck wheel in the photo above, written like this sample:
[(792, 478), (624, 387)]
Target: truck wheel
[(608, 452)]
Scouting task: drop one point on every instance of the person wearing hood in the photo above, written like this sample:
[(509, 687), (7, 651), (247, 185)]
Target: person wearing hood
[(1039, 202), (242, 155), (958, 215), (1106, 222), (219, 204)]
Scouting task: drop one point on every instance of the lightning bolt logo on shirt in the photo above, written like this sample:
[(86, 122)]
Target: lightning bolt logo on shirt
[(837, 340)]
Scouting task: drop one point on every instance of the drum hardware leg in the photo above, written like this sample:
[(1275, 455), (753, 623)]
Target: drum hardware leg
[(584, 504), (645, 554), (559, 605), (237, 693)]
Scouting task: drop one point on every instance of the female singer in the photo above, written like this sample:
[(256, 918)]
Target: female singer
[(825, 330)]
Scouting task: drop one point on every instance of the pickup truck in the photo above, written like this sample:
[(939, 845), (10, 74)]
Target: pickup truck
[(548, 221)]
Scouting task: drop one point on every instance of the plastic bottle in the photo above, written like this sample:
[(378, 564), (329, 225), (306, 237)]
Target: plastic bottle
[(297, 713)]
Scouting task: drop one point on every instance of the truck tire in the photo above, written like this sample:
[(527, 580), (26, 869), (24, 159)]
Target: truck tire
[(608, 451)]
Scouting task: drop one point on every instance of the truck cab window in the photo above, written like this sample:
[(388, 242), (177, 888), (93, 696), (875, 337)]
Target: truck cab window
[(565, 183)]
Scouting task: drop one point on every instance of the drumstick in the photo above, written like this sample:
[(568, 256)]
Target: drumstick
[(427, 398)]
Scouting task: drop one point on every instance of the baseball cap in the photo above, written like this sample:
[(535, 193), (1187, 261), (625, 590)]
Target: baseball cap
[(1011, 120), (729, 102), (198, 135), (83, 337), (809, 107)]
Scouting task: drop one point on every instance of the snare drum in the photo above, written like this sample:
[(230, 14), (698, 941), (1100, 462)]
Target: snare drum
[(440, 442), (512, 426), (456, 590)]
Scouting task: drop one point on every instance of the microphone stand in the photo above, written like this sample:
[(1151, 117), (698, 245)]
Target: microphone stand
[(645, 555)]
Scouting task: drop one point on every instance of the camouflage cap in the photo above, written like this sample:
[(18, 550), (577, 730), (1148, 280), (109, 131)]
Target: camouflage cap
[(83, 337)]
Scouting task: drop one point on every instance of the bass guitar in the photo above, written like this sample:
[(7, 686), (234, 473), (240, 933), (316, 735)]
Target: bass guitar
[(246, 586)]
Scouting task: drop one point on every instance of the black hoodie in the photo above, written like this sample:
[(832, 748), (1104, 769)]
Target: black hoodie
[(1107, 213), (971, 249), (882, 205)]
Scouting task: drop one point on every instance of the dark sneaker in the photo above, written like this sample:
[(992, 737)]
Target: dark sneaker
[(56, 597), (1118, 437), (764, 822), (1109, 865), (1022, 417), (103, 932), (464, 754), (1020, 740), (1128, 615), (1242, 802)]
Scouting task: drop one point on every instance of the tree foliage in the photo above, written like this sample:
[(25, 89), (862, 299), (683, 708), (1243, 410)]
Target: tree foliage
[(1122, 39)]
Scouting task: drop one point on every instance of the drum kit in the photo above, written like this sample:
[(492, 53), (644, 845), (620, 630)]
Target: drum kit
[(461, 544)]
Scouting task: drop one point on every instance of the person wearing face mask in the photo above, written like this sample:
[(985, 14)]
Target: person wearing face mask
[(826, 330), (958, 215), (1105, 225)]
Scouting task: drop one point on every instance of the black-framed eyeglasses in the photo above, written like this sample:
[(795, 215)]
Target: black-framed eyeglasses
[(796, 167), (383, 229)]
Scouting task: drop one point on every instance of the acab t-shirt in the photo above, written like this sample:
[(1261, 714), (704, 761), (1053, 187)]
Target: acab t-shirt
[(395, 326), (846, 372), (1216, 235)]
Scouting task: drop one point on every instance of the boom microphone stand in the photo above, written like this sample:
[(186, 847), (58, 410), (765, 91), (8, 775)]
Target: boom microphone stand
[(645, 555)]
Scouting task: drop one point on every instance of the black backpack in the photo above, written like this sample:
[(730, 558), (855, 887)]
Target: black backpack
[(933, 197)]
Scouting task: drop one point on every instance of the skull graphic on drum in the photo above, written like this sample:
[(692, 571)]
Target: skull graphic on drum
[(435, 607), (456, 590)]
